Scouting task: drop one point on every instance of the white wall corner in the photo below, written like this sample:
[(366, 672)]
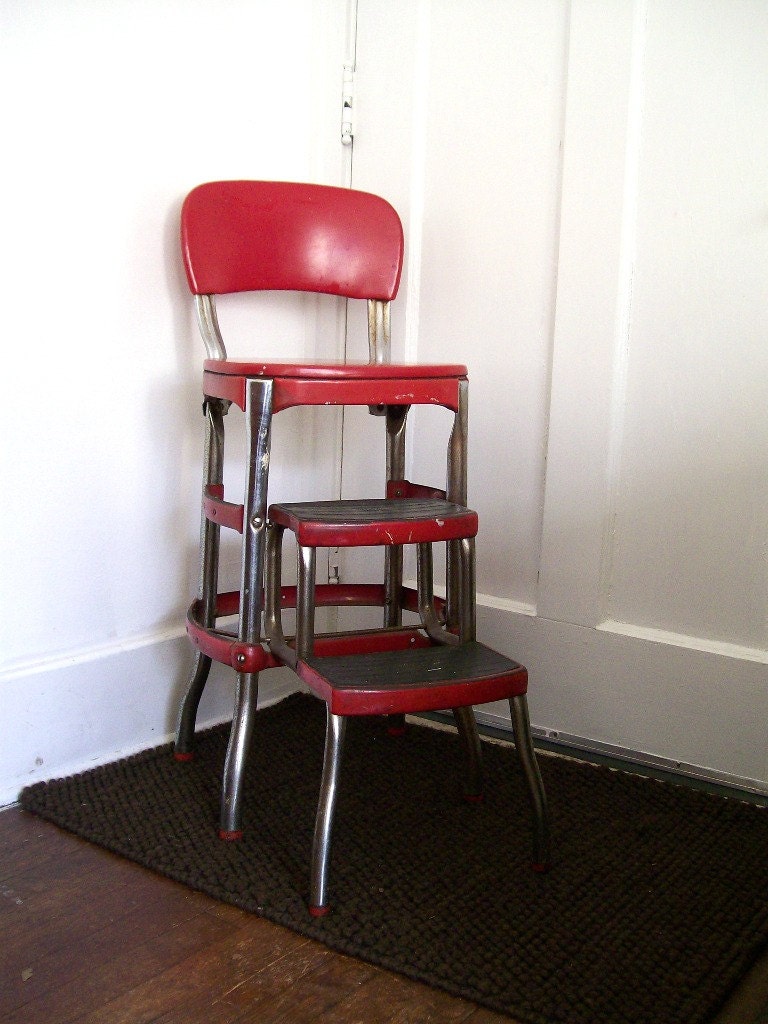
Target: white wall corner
[(67, 715)]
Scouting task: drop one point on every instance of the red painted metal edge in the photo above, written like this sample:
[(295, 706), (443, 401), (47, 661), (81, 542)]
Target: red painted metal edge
[(337, 595), (414, 699), (333, 369), (409, 601), (364, 642), (221, 385), (405, 531), (371, 642), (292, 391), (226, 649), (227, 603), (224, 513), (443, 391), (365, 595), (319, 911)]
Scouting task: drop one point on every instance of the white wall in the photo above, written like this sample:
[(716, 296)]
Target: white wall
[(113, 112), (582, 187)]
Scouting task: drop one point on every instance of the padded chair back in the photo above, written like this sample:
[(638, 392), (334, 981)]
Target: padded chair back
[(265, 235)]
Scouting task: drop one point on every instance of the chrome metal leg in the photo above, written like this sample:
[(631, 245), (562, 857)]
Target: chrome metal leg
[(213, 463), (397, 416), (185, 728), (258, 415), (321, 845), (467, 616), (473, 755), (306, 561), (521, 725), (237, 752), (426, 597), (456, 490), (273, 617)]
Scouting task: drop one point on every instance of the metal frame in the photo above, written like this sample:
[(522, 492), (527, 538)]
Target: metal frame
[(258, 413), (446, 623), (213, 470), (336, 724), (521, 724), (379, 331)]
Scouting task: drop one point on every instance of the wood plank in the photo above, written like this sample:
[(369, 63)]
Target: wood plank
[(230, 999), (20, 841), (223, 966), (54, 908), (318, 992), (86, 989), (31, 969), (392, 999)]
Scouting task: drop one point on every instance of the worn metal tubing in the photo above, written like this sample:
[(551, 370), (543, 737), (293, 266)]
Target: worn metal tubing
[(258, 414), (185, 725), (379, 331), (210, 532), (246, 700), (521, 725), (273, 564), (456, 491), (426, 597), (467, 588), (306, 561), (213, 468), (397, 416), (473, 755), (208, 322), (456, 486), (465, 717), (273, 616), (321, 844)]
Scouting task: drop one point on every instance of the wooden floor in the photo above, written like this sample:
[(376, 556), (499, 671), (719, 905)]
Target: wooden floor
[(89, 937)]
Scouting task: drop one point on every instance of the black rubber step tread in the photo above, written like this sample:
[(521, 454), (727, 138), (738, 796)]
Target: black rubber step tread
[(415, 667), (367, 510)]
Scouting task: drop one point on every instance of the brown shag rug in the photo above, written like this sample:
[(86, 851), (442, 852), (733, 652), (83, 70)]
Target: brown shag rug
[(657, 903)]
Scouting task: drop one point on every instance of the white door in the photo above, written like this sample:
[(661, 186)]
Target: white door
[(583, 188)]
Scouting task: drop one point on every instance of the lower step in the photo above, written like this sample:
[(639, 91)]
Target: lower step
[(416, 679)]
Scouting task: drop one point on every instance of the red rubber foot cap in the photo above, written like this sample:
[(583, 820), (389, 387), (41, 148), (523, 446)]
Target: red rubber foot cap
[(474, 798), (230, 837), (319, 911), (396, 730), (541, 869), (178, 756)]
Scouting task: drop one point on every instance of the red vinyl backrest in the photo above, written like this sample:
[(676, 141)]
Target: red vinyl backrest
[(267, 235)]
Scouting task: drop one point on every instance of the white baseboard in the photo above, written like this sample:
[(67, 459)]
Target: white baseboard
[(702, 712), (67, 714), (691, 643)]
